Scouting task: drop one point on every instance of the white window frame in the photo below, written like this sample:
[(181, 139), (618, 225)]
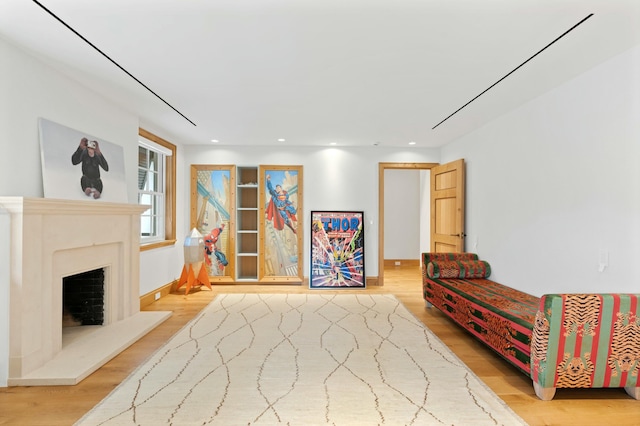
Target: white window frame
[(157, 224)]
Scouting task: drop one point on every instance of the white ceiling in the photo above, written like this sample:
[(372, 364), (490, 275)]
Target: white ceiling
[(353, 72)]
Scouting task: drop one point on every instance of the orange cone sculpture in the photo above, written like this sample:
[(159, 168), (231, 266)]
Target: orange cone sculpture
[(194, 272)]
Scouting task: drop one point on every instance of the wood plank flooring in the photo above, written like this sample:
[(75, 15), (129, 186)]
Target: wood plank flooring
[(63, 405)]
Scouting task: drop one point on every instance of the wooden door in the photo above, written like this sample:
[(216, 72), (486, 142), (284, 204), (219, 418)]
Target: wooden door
[(447, 207)]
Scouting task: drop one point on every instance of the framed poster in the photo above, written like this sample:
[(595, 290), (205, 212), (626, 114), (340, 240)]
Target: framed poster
[(212, 214), (79, 166), (281, 228), (337, 249)]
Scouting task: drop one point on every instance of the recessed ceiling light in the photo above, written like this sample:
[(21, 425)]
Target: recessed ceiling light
[(281, 140), (215, 140), (333, 143), (412, 143)]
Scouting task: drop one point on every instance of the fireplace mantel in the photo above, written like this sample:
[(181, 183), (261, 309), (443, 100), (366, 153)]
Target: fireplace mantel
[(51, 239)]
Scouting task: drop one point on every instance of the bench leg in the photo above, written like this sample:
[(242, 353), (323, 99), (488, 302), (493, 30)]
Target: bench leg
[(545, 394), (633, 392)]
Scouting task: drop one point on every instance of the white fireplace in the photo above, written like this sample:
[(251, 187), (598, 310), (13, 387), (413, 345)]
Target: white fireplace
[(48, 241)]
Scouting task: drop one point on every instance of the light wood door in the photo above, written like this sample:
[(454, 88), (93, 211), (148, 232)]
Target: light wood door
[(447, 207)]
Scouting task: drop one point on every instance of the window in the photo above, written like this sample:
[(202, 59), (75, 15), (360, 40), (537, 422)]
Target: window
[(156, 188), (151, 184)]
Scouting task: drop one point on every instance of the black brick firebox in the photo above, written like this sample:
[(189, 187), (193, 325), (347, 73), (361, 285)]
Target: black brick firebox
[(83, 297)]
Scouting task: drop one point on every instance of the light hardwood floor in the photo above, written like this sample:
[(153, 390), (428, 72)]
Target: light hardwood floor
[(63, 405)]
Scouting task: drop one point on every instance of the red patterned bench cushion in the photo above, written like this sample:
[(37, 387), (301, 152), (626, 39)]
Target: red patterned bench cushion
[(458, 269), (434, 257), (499, 316), (587, 341), (559, 340)]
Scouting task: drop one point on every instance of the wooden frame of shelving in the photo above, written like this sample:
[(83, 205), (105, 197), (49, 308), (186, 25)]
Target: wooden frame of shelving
[(247, 224), (213, 204), (280, 250)]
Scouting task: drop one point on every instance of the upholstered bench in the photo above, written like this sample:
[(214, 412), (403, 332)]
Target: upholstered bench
[(559, 340)]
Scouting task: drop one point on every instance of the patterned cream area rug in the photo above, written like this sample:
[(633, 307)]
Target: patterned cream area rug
[(303, 359)]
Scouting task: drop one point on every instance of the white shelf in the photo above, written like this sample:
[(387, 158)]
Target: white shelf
[(247, 224)]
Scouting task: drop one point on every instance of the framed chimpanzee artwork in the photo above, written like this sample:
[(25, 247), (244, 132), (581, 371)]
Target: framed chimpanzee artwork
[(79, 166)]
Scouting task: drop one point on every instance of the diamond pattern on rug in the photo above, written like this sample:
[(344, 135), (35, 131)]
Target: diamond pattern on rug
[(303, 359)]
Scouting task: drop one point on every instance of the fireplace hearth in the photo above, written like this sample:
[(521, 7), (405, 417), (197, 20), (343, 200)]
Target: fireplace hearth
[(49, 241)]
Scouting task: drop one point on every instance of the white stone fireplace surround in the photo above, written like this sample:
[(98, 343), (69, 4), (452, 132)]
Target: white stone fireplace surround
[(51, 239)]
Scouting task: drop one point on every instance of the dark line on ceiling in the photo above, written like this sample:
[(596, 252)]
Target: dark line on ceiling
[(514, 70), (111, 60)]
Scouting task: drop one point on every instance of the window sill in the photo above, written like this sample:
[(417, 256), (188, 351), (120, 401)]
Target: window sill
[(157, 244)]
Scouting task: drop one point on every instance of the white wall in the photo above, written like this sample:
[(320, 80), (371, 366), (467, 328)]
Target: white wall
[(5, 228), (552, 184), (334, 179), (549, 185), (30, 89), (402, 214), (345, 179)]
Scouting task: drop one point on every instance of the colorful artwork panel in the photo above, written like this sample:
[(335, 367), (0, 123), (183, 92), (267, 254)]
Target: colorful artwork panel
[(281, 197), (337, 249), (213, 202)]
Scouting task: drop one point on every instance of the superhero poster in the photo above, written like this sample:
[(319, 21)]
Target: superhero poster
[(281, 205), (337, 249), (212, 209)]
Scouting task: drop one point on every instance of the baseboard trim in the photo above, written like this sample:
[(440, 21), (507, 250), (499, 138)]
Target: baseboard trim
[(390, 263), (149, 298)]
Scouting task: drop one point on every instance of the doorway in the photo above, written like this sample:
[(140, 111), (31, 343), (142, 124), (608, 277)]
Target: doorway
[(381, 202)]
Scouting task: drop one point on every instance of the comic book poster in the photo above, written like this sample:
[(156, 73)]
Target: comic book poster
[(282, 239), (211, 214), (337, 249)]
